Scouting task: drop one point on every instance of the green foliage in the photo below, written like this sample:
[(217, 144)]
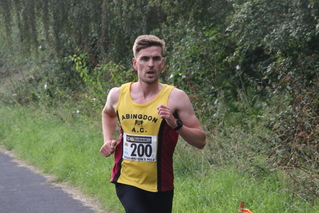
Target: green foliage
[(250, 68), (275, 41), (99, 80), (297, 144)]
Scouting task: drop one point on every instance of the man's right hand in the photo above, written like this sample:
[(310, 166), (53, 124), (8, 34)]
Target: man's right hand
[(108, 148)]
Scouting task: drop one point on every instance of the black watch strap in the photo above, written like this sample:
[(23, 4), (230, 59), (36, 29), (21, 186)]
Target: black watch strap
[(179, 124)]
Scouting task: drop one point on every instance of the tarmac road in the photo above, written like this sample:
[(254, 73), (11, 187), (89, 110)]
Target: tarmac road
[(23, 191)]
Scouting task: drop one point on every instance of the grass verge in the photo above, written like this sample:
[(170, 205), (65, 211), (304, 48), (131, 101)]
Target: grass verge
[(66, 145)]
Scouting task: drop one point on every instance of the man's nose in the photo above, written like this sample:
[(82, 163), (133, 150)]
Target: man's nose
[(150, 63)]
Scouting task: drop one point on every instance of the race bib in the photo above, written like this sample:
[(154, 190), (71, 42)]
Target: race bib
[(139, 147)]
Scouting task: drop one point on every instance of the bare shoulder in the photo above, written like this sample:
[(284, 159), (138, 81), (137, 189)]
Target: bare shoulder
[(178, 93), (114, 94), (112, 99), (178, 100), (181, 106)]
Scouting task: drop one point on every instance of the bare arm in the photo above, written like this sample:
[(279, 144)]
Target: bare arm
[(109, 121), (180, 105)]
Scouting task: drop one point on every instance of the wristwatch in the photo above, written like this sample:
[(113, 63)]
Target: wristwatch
[(179, 124)]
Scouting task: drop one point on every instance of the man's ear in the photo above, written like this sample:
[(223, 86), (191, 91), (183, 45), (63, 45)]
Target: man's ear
[(163, 64), (134, 63)]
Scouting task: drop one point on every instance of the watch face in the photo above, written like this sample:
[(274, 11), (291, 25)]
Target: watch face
[(179, 124)]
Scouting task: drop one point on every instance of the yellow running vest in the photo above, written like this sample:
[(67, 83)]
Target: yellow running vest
[(143, 156)]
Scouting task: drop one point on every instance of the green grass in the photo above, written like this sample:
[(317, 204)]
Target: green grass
[(222, 190), (66, 145), (65, 149)]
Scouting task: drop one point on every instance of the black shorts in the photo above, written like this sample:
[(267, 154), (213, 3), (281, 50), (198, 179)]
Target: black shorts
[(136, 200)]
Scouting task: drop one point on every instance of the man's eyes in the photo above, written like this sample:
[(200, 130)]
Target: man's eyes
[(145, 58), (156, 58)]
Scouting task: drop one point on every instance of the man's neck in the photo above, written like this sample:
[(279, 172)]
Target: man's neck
[(144, 93)]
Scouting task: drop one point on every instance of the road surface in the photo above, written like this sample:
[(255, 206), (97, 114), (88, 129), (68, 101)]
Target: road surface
[(22, 190)]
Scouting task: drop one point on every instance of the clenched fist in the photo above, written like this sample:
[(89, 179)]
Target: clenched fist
[(108, 148)]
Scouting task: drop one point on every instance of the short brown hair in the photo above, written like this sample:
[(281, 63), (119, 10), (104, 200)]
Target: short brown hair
[(145, 41)]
